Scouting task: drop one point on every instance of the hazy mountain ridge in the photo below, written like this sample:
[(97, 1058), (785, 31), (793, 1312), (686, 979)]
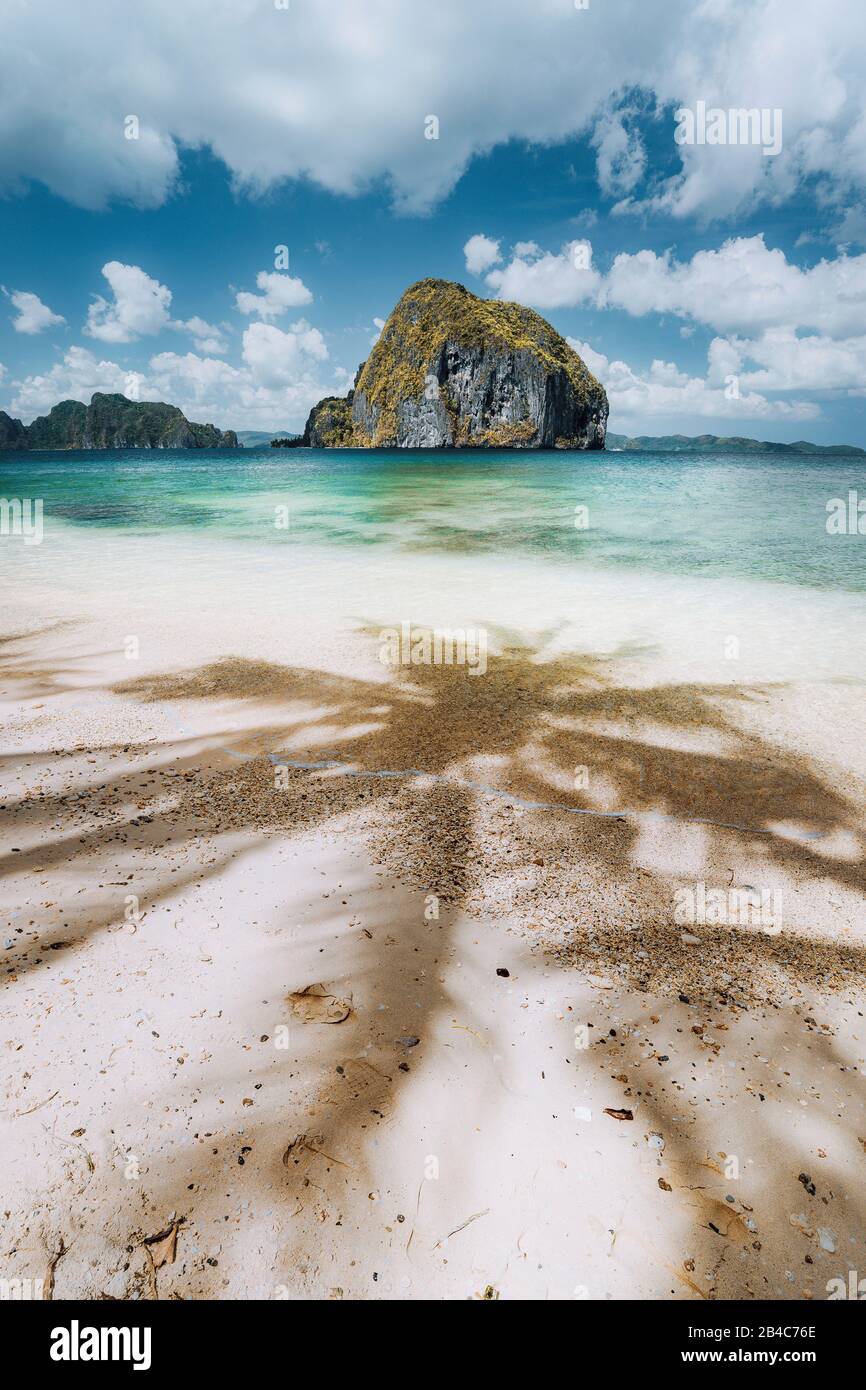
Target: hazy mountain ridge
[(717, 443), (257, 439)]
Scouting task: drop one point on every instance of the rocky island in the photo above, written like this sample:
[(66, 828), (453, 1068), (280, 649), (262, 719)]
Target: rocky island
[(450, 370), (112, 421)]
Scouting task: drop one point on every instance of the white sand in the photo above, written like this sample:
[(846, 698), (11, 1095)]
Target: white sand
[(141, 1057)]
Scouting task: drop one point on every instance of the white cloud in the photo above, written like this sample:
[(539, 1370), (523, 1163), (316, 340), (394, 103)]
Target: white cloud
[(206, 336), (620, 153), (481, 253), (281, 292), (281, 377), (276, 358), (363, 80), (769, 55), (852, 227), (663, 392), (743, 286), (786, 361), (280, 380), (378, 324), (193, 382), (32, 314), (75, 377), (140, 306), (546, 279)]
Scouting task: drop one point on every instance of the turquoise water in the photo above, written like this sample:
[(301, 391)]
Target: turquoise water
[(749, 516)]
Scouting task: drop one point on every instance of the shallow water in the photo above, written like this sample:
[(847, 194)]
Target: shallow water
[(753, 515), (613, 553)]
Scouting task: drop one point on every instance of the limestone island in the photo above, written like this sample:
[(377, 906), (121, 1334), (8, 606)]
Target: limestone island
[(452, 371), (113, 421)]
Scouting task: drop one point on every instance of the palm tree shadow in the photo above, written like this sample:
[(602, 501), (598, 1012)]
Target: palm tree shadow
[(420, 764)]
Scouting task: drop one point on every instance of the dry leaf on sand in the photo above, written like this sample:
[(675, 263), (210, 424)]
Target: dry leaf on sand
[(162, 1248)]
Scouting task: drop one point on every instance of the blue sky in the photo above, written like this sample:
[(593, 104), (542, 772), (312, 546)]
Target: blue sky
[(713, 288)]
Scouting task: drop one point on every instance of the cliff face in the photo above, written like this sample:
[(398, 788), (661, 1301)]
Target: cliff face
[(64, 427), (113, 422), (329, 424), (451, 370)]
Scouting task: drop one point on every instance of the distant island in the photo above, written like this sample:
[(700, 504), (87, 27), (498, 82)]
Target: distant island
[(452, 371), (112, 421), (724, 444)]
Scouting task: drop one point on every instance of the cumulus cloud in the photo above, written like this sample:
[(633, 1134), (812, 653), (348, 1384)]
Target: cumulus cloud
[(481, 253), (281, 378), (851, 228), (32, 316), (663, 392), (743, 286), (276, 358), (546, 279), (282, 374), (139, 306), (75, 377), (279, 293), (768, 55), (783, 360), (362, 81), (206, 336)]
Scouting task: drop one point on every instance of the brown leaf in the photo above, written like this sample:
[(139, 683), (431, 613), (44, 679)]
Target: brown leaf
[(619, 1114), (162, 1248)]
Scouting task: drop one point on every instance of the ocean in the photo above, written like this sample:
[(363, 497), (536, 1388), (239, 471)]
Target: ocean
[(696, 556)]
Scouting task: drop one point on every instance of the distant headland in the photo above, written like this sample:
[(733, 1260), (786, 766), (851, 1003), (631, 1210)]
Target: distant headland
[(723, 444), (112, 421)]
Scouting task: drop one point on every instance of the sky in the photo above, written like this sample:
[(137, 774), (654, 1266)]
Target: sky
[(218, 203)]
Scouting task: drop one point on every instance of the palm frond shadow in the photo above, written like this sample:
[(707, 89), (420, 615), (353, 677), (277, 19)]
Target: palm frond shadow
[(519, 730)]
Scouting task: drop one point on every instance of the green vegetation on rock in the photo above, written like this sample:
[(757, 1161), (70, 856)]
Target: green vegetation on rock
[(112, 421), (329, 425), (725, 444)]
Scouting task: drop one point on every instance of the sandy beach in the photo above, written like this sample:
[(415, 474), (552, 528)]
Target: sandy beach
[(325, 979)]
